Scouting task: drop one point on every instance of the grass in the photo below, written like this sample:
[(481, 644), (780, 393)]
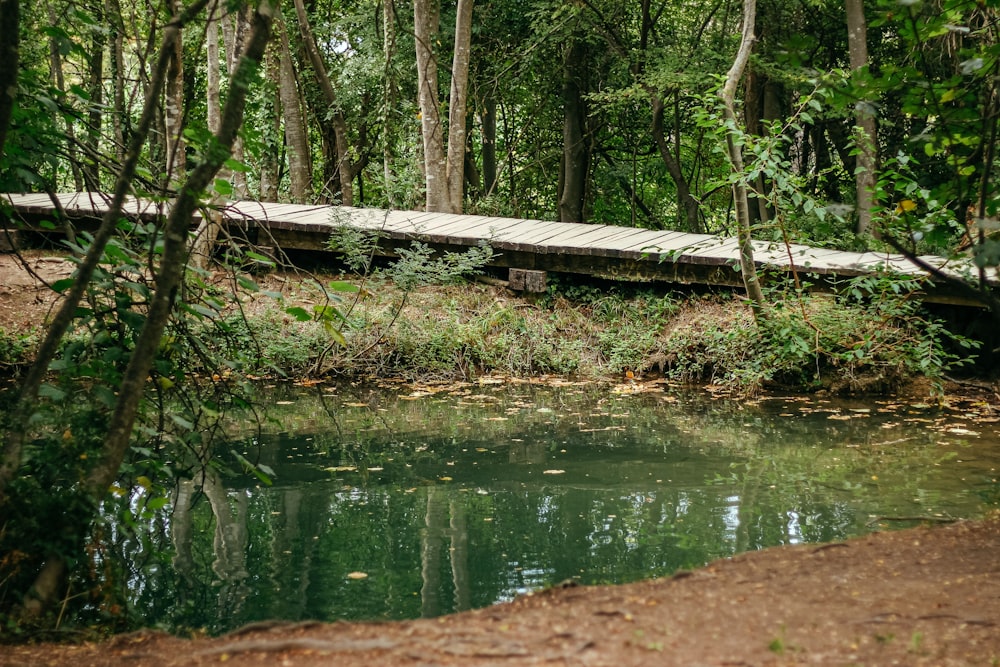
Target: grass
[(471, 329), (461, 331)]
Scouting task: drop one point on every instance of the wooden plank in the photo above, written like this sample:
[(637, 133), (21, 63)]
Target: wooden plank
[(524, 238), (590, 241), (488, 229), (545, 231), (444, 226), (665, 243), (615, 245)]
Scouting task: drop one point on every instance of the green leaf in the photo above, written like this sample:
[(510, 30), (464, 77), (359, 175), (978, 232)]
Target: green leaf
[(62, 284), (335, 334), (183, 423), (247, 284), (48, 391), (236, 165), (156, 503), (299, 313), (341, 286), (223, 187)]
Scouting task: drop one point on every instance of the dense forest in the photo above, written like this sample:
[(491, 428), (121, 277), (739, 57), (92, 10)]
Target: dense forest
[(578, 111), (851, 125)]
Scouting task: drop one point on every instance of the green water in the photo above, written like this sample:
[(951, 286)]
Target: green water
[(389, 505)]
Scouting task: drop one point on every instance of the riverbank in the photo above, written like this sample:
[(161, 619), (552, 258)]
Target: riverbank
[(874, 342)]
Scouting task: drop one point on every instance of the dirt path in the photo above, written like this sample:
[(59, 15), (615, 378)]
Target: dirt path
[(914, 597)]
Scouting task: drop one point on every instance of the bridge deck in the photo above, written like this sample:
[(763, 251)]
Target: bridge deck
[(606, 251)]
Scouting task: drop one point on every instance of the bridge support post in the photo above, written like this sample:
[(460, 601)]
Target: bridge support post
[(527, 280)]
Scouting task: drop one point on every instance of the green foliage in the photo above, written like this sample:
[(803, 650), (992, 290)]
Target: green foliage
[(16, 349), (870, 338)]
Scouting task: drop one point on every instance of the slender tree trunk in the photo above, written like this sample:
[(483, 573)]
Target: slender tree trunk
[(234, 30), (172, 266), (690, 205), (296, 137), (118, 113), (743, 223), (390, 95), (10, 53), (575, 163), (457, 106), (174, 109), (63, 318), (95, 114), (488, 118), (270, 166), (865, 137), (203, 244), (345, 166), (425, 31), (59, 82)]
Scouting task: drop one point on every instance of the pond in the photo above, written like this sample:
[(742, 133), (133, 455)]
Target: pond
[(391, 504)]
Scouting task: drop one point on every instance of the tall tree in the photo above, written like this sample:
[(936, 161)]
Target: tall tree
[(444, 173), (174, 102), (296, 132), (734, 147), (575, 167), (10, 36), (458, 106), (864, 133), (334, 112)]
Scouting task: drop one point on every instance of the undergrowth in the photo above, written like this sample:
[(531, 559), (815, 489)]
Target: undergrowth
[(863, 340), (869, 338)]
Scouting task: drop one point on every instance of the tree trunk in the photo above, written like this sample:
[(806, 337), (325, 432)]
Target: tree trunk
[(203, 244), (58, 79), (743, 223), (457, 105), (345, 167), (63, 318), (488, 118), (172, 266), (174, 107), (690, 205), (575, 163), (865, 137), (234, 31), (390, 94), (270, 166), (95, 105), (296, 136), (10, 34), (425, 30), (118, 113)]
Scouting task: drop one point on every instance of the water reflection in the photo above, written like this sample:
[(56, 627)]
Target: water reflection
[(388, 508)]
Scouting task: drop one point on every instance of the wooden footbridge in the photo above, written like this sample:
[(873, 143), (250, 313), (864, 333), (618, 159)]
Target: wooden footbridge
[(526, 246)]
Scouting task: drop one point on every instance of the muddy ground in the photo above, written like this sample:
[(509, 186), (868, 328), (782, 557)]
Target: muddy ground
[(923, 596)]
